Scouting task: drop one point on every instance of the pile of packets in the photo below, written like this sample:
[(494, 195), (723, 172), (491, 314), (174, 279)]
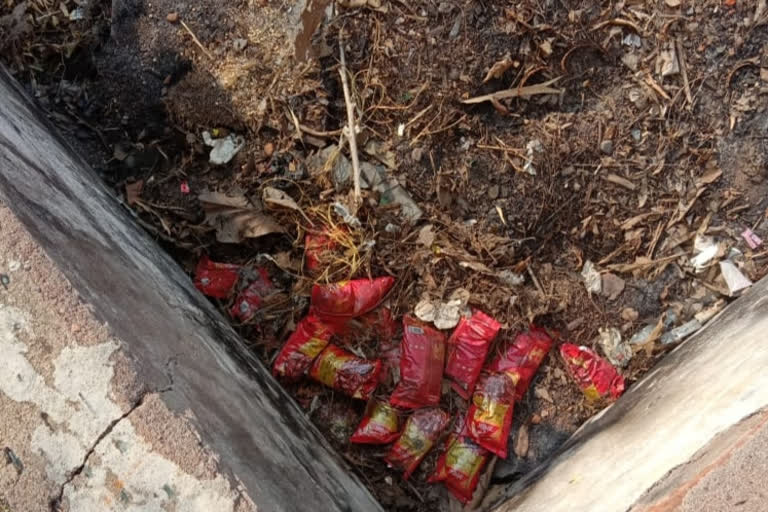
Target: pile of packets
[(424, 358)]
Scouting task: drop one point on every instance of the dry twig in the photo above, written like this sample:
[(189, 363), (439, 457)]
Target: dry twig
[(196, 40), (351, 135), (683, 70), (522, 92)]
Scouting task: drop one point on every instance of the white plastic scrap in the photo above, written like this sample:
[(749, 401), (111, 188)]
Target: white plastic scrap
[(615, 348), (445, 315), (346, 215), (706, 250), (532, 146), (592, 280), (224, 149), (735, 280)]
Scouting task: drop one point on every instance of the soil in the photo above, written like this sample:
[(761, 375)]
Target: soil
[(635, 155)]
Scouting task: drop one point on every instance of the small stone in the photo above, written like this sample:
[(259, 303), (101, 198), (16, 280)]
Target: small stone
[(172, 17), (493, 191), (444, 7), (75, 328), (269, 149), (606, 147), (239, 44), (417, 154), (636, 134)]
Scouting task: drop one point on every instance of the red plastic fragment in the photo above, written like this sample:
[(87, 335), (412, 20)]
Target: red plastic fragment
[(250, 299), (422, 356), (467, 349), (216, 279), (522, 358), (349, 299), (345, 372), (184, 187), (460, 466), (490, 415), (596, 377), (303, 346), (380, 425), (419, 435), (316, 249)]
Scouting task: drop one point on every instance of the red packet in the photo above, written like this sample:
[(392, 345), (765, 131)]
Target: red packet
[(490, 414), (345, 372), (303, 346), (467, 348), (317, 246), (596, 377), (349, 299), (419, 435), (422, 355), (216, 279), (380, 425), (460, 466), (249, 300), (521, 359)]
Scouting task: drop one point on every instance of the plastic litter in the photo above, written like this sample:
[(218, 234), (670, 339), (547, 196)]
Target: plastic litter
[(444, 315), (421, 366), (380, 425), (594, 375), (521, 359), (682, 332), (753, 241), (419, 435), (349, 299), (733, 277), (592, 280), (223, 149), (303, 346), (460, 466), (216, 280), (705, 249), (250, 299), (467, 348), (317, 247), (490, 414), (345, 372), (616, 350)]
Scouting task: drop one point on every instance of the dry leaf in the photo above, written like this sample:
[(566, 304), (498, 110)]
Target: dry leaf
[(708, 177), (521, 443), (133, 191), (382, 152), (499, 68), (477, 267), (427, 235), (235, 218), (277, 197)]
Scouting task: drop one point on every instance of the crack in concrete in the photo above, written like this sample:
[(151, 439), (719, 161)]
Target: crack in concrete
[(56, 503)]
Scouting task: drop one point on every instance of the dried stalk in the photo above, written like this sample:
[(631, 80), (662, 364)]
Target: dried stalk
[(351, 134)]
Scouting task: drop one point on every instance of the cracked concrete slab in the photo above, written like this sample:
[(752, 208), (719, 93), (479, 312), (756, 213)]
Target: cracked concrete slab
[(79, 432)]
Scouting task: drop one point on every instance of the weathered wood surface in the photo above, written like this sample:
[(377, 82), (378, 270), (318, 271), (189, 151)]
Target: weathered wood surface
[(179, 341), (705, 386)]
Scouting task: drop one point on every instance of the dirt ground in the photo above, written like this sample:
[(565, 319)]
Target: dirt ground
[(644, 135)]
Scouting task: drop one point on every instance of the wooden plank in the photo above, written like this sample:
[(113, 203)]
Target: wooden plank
[(708, 384), (176, 337)]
